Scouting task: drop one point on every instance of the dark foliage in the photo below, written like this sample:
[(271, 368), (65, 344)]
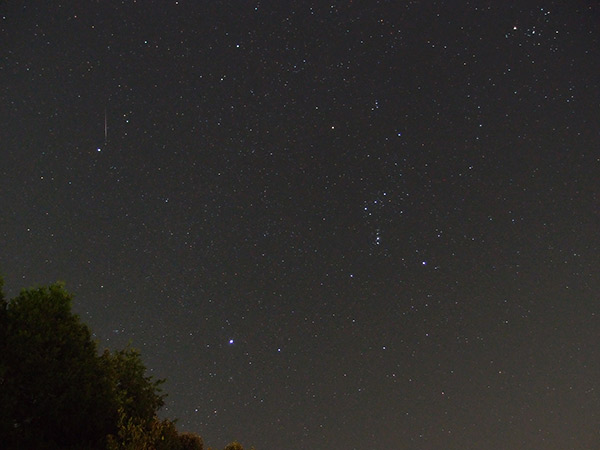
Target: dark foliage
[(191, 441), (138, 395), (56, 392), (53, 389)]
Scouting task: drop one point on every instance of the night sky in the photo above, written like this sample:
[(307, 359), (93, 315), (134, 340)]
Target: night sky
[(359, 225)]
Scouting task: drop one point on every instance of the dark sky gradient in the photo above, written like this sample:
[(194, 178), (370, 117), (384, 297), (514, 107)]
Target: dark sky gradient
[(358, 225)]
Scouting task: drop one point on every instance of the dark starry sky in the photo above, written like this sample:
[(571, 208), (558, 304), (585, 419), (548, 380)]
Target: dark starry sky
[(354, 224)]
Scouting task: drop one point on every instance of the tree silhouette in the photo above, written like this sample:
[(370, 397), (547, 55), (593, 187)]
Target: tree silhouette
[(136, 394), (54, 393)]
